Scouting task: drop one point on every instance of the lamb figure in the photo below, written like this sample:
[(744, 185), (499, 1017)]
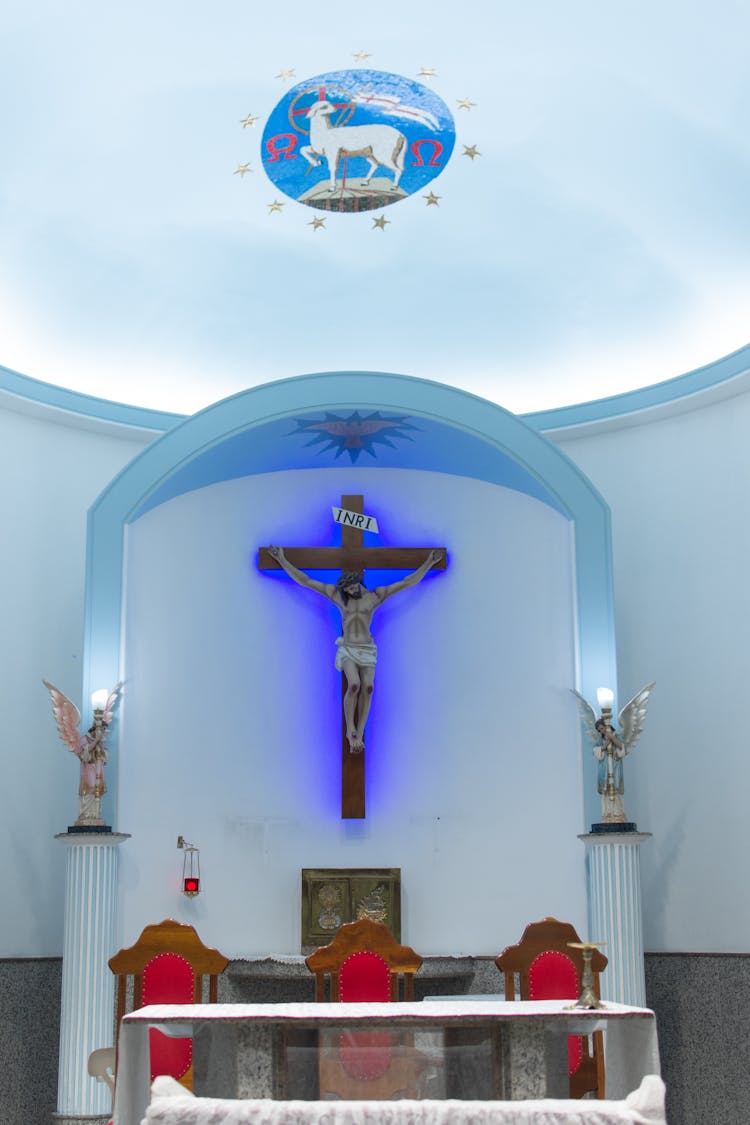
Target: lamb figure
[(381, 145)]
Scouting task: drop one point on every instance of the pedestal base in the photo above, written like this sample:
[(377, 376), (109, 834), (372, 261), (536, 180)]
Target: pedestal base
[(615, 915), (87, 983), (614, 826), (63, 1119)]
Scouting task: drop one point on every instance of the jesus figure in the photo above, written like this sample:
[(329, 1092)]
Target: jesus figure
[(356, 652)]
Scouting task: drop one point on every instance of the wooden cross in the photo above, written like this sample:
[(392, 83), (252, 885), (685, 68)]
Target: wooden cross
[(351, 555)]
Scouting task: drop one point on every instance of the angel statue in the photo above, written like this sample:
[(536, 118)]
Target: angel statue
[(89, 748), (609, 749)]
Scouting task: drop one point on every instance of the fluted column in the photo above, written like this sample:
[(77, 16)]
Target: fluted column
[(87, 1010), (615, 914)]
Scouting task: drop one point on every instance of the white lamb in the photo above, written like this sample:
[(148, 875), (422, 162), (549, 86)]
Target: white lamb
[(379, 144)]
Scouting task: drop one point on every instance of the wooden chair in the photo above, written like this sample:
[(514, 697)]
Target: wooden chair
[(168, 965), (547, 969), (364, 962)]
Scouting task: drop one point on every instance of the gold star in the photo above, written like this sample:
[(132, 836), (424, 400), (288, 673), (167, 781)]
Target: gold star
[(248, 122), (317, 223), (427, 72), (361, 56), (275, 206), (471, 151), (432, 199), (242, 170), (380, 222), (285, 75), (464, 103)]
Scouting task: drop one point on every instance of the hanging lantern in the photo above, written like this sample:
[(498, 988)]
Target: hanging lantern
[(191, 868)]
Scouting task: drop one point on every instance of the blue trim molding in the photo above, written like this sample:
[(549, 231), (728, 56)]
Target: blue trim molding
[(669, 391), (646, 398), (86, 406)]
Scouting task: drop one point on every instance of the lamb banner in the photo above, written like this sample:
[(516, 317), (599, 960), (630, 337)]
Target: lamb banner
[(356, 140)]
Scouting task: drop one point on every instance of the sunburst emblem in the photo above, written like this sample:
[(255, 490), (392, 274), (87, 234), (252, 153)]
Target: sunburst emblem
[(355, 433)]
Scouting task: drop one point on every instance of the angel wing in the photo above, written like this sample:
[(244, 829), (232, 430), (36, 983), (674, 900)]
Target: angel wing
[(112, 700), (587, 716), (67, 717), (633, 717)]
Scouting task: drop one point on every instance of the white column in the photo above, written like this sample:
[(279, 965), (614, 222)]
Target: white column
[(613, 871), (87, 1006)]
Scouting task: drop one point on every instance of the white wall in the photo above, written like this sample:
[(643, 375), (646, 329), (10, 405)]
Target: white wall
[(230, 724), (679, 490), (51, 470)]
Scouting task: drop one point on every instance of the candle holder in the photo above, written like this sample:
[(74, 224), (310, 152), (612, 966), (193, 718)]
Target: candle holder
[(588, 998)]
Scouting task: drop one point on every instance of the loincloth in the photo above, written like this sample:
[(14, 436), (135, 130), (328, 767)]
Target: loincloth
[(364, 656)]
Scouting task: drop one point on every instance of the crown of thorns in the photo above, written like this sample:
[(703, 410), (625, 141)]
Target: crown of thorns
[(350, 578)]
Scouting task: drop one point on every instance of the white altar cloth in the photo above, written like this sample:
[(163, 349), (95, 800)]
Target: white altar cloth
[(645, 1106), (632, 1049)]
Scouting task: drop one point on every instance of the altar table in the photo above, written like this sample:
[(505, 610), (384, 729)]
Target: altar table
[(242, 1050)]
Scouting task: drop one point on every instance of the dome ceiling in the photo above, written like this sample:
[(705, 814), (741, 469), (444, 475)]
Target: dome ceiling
[(565, 216)]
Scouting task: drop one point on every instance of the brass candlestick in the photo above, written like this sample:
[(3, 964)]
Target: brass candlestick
[(588, 998)]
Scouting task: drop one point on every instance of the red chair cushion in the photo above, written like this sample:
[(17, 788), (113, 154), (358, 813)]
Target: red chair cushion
[(553, 976), (364, 976), (168, 979)]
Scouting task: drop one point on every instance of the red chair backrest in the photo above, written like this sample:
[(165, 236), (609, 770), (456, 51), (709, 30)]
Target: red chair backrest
[(168, 978), (364, 976), (553, 976)]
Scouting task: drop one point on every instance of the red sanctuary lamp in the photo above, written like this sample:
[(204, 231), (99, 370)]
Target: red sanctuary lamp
[(191, 868)]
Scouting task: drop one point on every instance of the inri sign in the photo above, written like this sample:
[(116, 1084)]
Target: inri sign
[(355, 519)]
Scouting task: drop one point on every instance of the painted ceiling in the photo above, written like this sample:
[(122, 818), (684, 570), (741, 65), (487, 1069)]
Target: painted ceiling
[(571, 220)]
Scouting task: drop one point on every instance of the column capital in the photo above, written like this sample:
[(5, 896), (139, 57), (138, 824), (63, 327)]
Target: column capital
[(91, 838), (599, 838)]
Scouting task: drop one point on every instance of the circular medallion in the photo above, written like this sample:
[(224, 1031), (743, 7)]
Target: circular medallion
[(355, 140), (329, 917)]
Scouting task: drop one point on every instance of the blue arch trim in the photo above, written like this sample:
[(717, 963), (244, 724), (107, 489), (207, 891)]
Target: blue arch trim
[(285, 443), (571, 491), (615, 406), (88, 406), (658, 394)]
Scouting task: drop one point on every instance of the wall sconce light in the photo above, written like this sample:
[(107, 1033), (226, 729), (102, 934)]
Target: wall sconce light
[(191, 868)]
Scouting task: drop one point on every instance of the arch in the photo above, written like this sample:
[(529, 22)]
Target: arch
[(487, 427)]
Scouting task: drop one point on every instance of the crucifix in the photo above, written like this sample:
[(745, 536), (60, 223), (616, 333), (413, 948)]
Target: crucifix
[(356, 653)]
